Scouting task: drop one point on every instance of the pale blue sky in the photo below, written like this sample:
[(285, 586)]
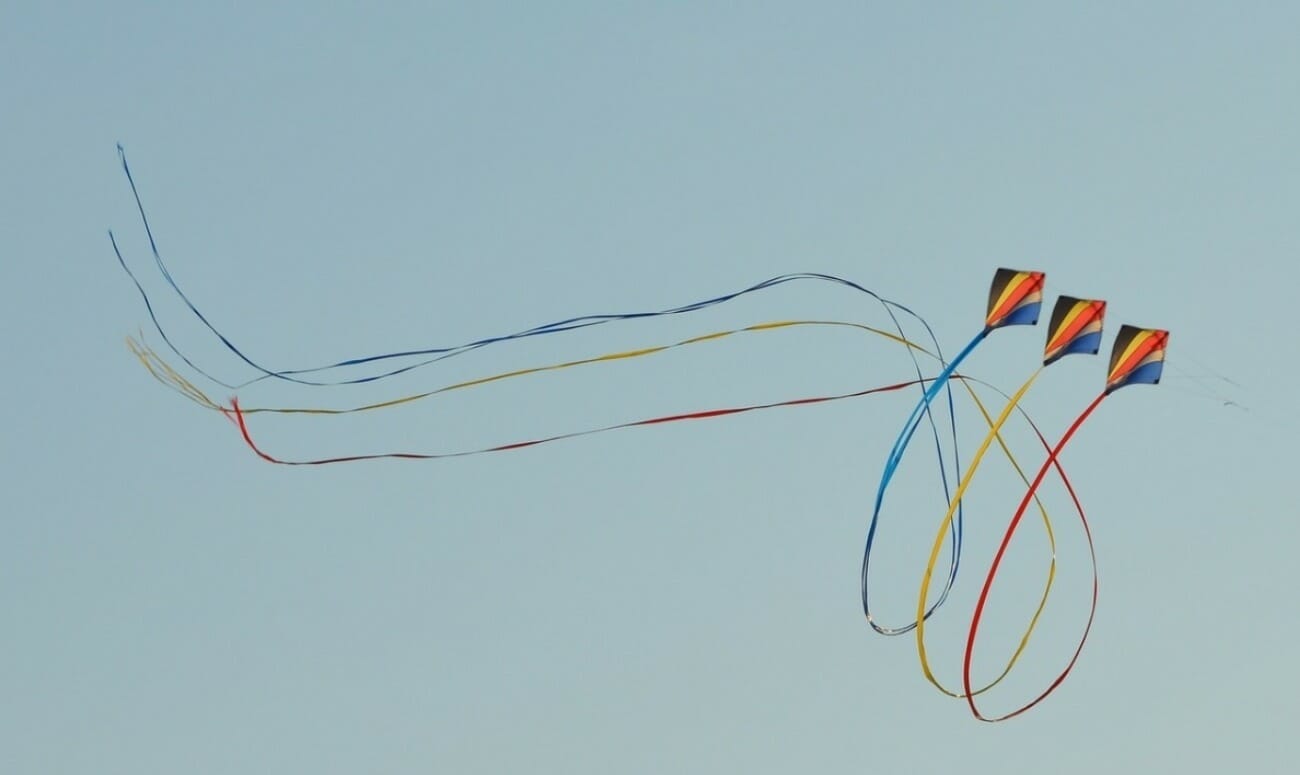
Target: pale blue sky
[(334, 179)]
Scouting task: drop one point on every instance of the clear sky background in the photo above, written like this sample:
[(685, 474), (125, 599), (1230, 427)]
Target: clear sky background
[(335, 179)]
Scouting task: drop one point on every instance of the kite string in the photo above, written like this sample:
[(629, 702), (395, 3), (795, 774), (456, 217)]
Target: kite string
[(1202, 382)]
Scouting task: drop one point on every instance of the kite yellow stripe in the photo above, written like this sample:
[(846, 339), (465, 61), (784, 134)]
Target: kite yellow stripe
[(1063, 334), (994, 432), (1137, 342), (1008, 290)]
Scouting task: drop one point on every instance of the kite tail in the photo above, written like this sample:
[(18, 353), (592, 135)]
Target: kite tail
[(891, 465), (994, 432), (997, 561), (567, 324), (238, 415)]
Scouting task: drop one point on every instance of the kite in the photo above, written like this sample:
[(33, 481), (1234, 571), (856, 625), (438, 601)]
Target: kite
[(1015, 299), (1137, 358), (1075, 327)]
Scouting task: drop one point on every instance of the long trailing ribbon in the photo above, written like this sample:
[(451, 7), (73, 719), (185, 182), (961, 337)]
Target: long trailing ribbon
[(1052, 459), (238, 415), (157, 366), (995, 426), (891, 465), (1015, 298), (567, 324), (1013, 404), (169, 376), (1075, 327), (166, 374)]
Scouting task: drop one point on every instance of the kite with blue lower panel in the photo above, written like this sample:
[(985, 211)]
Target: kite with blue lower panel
[(1138, 357)]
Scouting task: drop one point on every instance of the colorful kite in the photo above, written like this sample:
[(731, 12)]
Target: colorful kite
[(1075, 328), (1136, 358), (1015, 299)]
